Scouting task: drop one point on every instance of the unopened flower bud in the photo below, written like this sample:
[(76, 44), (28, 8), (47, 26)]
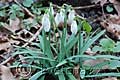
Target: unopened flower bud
[(59, 18), (74, 28), (71, 16), (46, 22)]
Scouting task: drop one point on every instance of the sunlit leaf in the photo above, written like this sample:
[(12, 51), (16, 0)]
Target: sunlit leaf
[(27, 3)]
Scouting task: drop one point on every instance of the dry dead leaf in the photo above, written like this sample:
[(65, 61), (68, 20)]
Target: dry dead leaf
[(76, 72), (112, 25), (95, 62), (4, 43), (111, 78), (5, 46), (14, 24), (6, 73)]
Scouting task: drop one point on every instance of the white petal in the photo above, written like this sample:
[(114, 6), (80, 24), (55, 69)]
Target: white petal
[(62, 15), (46, 22), (71, 16), (74, 27), (57, 19)]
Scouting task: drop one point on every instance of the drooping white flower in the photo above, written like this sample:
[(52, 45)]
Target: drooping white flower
[(74, 28), (71, 16), (46, 22), (62, 15), (59, 18)]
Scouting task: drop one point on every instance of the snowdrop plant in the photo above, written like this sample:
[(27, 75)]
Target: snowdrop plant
[(46, 23), (60, 56)]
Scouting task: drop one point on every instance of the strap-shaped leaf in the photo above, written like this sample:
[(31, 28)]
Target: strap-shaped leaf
[(37, 75), (91, 41), (61, 76)]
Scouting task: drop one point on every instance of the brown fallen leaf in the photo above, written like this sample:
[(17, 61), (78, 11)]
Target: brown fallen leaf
[(76, 72), (6, 73), (95, 62), (4, 42), (14, 24), (5, 45), (112, 25), (111, 78)]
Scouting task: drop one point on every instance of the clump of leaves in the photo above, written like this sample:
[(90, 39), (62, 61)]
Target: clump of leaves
[(15, 11), (58, 56), (28, 23)]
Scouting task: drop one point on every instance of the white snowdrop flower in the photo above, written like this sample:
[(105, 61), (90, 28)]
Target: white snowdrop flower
[(46, 22), (59, 18), (74, 27), (62, 15), (71, 16)]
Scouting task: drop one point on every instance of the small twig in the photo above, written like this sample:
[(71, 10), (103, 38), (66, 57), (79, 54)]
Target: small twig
[(56, 6), (103, 12), (89, 6), (80, 7), (6, 61), (25, 9), (36, 34), (18, 38)]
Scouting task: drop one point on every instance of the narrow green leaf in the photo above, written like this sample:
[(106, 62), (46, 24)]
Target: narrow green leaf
[(91, 41), (70, 75), (61, 63), (104, 75), (71, 42), (37, 75), (37, 57), (47, 49), (61, 76), (62, 53), (41, 42)]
